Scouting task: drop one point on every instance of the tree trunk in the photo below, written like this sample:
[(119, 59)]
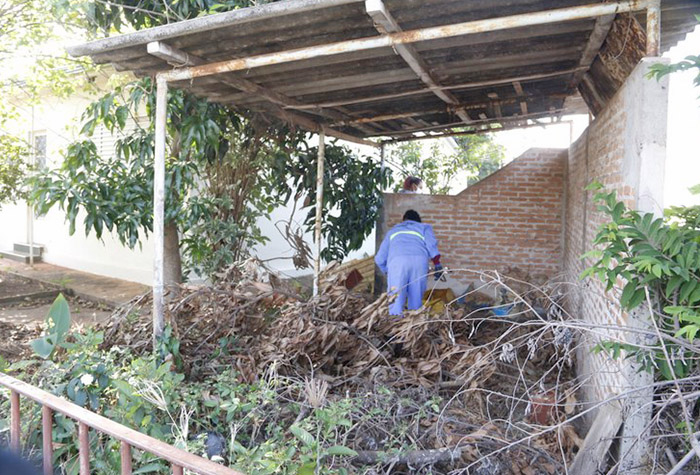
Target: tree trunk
[(172, 264)]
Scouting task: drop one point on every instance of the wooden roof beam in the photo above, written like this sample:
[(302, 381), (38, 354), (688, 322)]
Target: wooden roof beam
[(468, 85), (386, 24), (447, 127), (595, 42), (278, 101), (486, 130), (495, 102), (519, 91)]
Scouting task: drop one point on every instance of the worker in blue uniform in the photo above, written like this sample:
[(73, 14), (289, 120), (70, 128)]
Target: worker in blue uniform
[(403, 256)]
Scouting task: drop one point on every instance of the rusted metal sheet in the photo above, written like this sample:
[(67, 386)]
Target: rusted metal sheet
[(368, 83), (407, 37), (204, 24)]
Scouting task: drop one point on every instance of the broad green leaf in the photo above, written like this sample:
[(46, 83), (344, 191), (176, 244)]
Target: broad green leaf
[(42, 347), (637, 298), (627, 293), (687, 289), (341, 450), (673, 283), (303, 435), (309, 468)]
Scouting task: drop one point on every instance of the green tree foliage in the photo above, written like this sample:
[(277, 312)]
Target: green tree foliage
[(476, 156), (13, 169), (351, 200), (659, 256), (690, 63), (218, 166)]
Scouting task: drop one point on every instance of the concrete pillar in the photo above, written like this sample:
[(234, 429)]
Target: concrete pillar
[(644, 164)]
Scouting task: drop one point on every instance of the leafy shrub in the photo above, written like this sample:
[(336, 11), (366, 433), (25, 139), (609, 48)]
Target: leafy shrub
[(660, 256)]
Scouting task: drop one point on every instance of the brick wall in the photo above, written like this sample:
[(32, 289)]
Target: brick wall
[(513, 218), (624, 149)]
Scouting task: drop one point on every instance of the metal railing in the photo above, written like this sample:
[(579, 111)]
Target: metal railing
[(179, 459)]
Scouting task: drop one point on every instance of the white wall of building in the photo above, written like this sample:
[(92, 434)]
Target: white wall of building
[(682, 152)]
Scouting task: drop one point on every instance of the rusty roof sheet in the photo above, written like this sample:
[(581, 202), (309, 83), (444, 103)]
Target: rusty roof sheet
[(498, 77)]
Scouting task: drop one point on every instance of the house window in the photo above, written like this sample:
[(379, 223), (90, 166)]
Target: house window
[(40, 150)]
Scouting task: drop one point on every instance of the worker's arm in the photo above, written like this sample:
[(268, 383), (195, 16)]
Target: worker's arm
[(382, 255), (432, 244)]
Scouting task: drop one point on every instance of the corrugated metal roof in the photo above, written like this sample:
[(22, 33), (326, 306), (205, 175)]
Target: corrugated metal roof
[(503, 76)]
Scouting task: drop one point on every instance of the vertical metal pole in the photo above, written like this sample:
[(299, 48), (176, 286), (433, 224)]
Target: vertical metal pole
[(654, 28), (159, 207), (84, 448), (319, 206), (379, 281), (571, 132), (30, 208), (47, 439), (14, 421), (382, 165), (125, 452)]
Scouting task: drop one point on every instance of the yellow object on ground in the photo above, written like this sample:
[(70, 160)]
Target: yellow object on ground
[(437, 299)]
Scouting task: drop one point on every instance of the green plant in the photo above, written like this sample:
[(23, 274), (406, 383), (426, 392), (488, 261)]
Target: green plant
[(352, 193), (656, 255), (57, 327), (476, 156)]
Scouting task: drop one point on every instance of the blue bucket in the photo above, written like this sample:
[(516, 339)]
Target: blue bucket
[(502, 310)]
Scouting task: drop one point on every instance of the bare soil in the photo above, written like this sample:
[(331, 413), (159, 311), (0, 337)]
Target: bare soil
[(13, 286)]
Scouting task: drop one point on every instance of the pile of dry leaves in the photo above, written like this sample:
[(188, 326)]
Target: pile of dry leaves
[(504, 382)]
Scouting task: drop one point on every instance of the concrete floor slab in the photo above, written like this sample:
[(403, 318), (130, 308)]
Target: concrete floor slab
[(97, 288)]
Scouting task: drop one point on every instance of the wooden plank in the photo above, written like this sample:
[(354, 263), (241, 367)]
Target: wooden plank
[(597, 442), (595, 42), (519, 91), (386, 24)]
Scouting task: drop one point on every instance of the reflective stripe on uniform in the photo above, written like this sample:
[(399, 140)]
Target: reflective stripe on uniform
[(415, 233)]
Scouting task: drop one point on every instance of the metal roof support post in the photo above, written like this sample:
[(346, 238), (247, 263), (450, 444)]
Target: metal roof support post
[(159, 207), (654, 28), (319, 207)]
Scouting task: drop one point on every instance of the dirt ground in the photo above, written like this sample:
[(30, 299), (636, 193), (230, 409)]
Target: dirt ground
[(21, 319), (13, 286)]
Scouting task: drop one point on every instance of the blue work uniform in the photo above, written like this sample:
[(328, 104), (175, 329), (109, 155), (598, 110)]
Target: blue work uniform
[(403, 256)]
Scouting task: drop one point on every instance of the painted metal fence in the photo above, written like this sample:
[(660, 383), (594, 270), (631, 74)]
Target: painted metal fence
[(179, 459)]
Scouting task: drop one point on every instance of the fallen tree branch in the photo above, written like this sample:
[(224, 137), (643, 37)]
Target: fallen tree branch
[(414, 458)]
